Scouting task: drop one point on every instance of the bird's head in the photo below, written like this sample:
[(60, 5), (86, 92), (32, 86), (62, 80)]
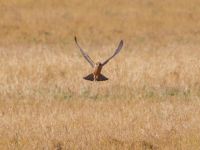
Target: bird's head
[(98, 64)]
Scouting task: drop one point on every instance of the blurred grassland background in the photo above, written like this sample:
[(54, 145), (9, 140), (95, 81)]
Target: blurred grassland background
[(151, 100)]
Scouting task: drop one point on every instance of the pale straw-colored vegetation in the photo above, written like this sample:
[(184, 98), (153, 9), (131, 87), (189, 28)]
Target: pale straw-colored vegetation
[(152, 97)]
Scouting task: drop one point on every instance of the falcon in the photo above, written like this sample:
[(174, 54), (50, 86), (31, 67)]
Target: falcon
[(97, 67)]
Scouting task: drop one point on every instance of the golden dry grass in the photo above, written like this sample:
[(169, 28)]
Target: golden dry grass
[(151, 100)]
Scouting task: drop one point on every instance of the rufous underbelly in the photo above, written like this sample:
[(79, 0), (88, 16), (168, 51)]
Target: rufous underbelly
[(97, 72)]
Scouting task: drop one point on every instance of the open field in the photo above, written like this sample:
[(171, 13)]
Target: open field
[(152, 97)]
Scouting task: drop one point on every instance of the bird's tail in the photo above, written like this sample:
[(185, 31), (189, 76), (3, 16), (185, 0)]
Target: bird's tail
[(90, 77)]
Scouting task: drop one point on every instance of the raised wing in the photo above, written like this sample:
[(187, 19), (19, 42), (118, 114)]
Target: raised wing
[(115, 53), (84, 54)]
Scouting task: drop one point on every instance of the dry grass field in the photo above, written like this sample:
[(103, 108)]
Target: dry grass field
[(152, 97)]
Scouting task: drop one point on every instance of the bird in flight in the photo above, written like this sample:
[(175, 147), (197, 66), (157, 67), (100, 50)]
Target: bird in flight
[(97, 67)]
